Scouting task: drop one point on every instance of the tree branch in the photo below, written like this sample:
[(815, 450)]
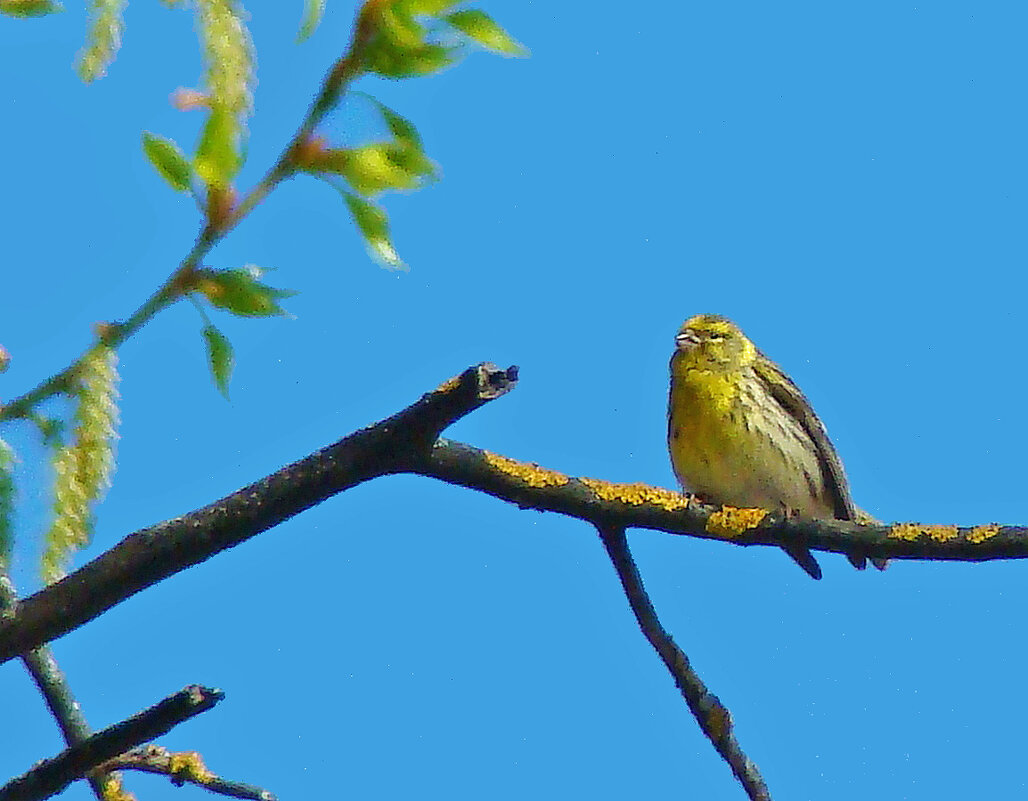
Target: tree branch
[(408, 442), (51, 776), (714, 718), (183, 768), (530, 486), (154, 553), (343, 72), (50, 680)]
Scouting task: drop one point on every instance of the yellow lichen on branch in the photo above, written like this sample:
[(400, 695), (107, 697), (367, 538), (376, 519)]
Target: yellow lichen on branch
[(907, 532), (942, 533), (189, 766), (982, 533), (114, 790), (636, 494), (449, 385), (729, 522), (911, 532), (531, 474)]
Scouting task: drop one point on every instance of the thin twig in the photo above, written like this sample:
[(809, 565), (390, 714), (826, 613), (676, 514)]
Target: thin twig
[(51, 776), (714, 718), (52, 684), (183, 768), (343, 72)]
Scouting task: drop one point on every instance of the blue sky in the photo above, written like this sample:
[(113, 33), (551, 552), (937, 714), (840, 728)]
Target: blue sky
[(846, 181)]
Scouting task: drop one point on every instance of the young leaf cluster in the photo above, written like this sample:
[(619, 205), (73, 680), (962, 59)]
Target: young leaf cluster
[(409, 36), (228, 96), (397, 39), (241, 292), (399, 164), (393, 38)]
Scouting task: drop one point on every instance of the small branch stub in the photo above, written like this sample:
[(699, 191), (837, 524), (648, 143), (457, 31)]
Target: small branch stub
[(494, 382)]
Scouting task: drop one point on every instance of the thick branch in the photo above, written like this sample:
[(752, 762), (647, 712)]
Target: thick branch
[(409, 442), (642, 506), (52, 775), (714, 718), (403, 443), (154, 553)]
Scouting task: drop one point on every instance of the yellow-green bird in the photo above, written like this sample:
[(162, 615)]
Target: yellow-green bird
[(740, 433)]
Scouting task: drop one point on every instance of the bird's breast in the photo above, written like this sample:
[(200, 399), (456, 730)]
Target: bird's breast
[(732, 443)]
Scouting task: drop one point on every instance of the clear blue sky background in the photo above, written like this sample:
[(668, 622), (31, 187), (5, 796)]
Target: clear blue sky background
[(848, 182)]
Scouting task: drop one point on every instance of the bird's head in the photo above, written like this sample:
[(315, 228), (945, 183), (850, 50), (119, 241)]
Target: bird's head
[(712, 342)]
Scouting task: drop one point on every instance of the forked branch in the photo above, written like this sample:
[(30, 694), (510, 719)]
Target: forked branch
[(51, 776), (409, 442)]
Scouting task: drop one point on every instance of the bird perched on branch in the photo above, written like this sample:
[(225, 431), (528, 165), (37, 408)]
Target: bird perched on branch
[(740, 433)]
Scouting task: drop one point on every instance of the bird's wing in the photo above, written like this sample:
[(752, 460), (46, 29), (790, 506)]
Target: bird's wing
[(792, 400)]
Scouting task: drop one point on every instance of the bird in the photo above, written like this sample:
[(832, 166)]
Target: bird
[(741, 433)]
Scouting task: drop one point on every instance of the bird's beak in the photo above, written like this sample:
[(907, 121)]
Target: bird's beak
[(687, 340)]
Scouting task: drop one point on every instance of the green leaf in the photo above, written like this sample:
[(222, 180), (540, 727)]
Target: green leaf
[(312, 13), (219, 358), (371, 169), (479, 26), (426, 7), (400, 127), (398, 26), (391, 61), (239, 292), (371, 220), (168, 160), (373, 224), (29, 8), (413, 162), (217, 157), (400, 164)]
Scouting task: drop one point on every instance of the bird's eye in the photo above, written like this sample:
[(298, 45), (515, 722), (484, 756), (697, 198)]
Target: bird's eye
[(716, 336)]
